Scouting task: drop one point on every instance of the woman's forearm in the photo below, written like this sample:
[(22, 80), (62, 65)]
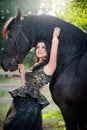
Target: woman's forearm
[(54, 51), (22, 72), (22, 78), (52, 64)]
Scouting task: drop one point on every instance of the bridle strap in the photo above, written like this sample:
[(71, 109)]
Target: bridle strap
[(20, 31), (24, 36)]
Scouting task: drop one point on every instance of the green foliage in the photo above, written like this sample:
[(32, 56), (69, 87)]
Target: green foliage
[(54, 119), (76, 12), (29, 59)]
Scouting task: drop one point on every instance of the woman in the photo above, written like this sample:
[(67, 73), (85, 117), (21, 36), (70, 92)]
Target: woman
[(25, 111)]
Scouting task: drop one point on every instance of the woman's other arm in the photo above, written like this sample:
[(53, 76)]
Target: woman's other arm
[(22, 72)]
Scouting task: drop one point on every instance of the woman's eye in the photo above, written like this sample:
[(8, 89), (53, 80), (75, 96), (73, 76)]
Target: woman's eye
[(37, 47), (44, 47)]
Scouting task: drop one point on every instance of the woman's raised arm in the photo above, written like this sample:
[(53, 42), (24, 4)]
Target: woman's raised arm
[(51, 66)]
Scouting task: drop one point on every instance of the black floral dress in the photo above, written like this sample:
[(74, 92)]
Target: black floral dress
[(25, 110)]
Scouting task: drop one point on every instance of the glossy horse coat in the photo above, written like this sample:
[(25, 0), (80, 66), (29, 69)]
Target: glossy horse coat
[(69, 82)]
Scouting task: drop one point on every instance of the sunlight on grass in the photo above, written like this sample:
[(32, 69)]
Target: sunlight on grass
[(4, 94), (53, 119), (3, 111)]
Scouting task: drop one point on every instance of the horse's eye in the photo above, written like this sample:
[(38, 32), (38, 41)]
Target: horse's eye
[(10, 35)]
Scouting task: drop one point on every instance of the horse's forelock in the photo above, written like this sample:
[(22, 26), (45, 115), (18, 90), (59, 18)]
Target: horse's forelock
[(6, 26)]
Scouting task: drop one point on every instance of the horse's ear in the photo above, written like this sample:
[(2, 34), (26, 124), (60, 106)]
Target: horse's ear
[(18, 16)]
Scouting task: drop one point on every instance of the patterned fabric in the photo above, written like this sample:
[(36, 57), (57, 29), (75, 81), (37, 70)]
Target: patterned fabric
[(34, 81)]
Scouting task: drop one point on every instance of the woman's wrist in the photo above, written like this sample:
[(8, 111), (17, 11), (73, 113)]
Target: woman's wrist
[(22, 71), (55, 38)]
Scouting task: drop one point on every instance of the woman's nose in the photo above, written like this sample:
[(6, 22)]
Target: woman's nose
[(40, 49)]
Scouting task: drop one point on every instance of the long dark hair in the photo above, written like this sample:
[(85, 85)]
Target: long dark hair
[(47, 44)]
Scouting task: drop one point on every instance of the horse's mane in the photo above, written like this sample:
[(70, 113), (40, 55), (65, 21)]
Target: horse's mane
[(6, 27)]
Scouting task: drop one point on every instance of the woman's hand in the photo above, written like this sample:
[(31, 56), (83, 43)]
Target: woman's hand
[(55, 35), (56, 32), (21, 68)]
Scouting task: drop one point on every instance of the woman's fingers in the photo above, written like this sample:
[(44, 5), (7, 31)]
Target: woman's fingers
[(56, 32), (20, 66)]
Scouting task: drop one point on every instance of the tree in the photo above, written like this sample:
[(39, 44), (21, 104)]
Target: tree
[(76, 12)]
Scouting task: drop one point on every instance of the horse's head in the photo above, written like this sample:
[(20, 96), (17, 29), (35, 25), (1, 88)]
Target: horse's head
[(17, 43)]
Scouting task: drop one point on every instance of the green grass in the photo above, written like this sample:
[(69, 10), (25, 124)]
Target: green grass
[(4, 94), (3, 111)]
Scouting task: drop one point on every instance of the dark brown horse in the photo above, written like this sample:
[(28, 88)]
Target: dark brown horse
[(69, 82)]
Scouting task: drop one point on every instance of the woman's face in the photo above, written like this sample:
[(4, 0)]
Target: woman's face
[(41, 52)]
